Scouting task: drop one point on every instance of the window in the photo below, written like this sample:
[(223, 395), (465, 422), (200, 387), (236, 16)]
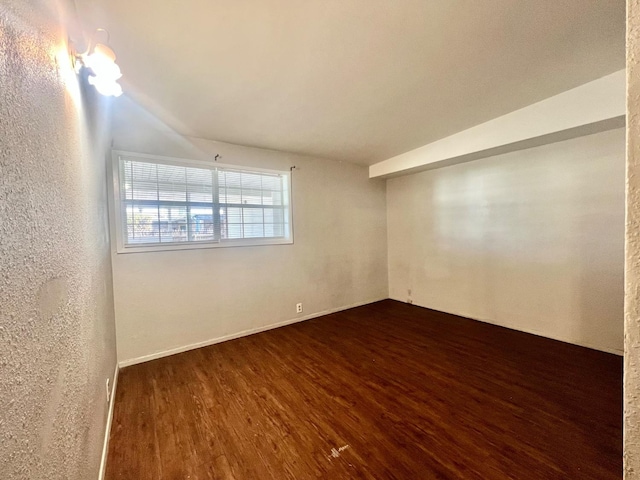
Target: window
[(166, 204)]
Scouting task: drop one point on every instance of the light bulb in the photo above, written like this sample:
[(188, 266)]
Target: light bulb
[(102, 62), (107, 87)]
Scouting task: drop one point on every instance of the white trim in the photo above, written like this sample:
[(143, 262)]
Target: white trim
[(115, 206), (590, 108), (244, 333), (166, 247), (107, 432), (613, 351), (194, 163), (252, 331)]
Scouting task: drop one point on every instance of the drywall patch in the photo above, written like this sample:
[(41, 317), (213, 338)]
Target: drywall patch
[(51, 297)]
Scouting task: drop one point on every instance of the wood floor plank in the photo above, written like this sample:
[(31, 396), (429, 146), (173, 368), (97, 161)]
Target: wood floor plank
[(384, 391)]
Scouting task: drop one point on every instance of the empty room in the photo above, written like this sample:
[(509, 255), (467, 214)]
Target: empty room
[(356, 239)]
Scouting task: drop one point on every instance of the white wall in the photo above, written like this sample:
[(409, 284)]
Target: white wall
[(593, 107), (166, 301), (532, 240), (57, 336)]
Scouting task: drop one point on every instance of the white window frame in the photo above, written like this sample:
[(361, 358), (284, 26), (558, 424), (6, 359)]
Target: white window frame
[(116, 205)]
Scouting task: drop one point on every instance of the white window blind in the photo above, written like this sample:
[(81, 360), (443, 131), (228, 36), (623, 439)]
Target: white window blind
[(167, 202)]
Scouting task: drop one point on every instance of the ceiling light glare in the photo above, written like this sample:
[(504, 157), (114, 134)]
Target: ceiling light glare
[(100, 60), (107, 87)]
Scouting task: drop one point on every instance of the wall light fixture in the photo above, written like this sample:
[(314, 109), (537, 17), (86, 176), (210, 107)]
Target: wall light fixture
[(100, 60)]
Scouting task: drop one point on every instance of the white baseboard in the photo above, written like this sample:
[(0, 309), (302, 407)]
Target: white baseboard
[(107, 432), (614, 351), (244, 333)]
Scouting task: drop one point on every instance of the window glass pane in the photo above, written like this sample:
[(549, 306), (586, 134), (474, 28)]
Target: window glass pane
[(252, 215), (173, 224), (199, 176), (201, 224), (273, 215), (173, 192), (273, 230), (231, 195), (199, 195), (234, 215), (253, 231), (233, 231), (142, 181), (271, 182), (172, 174), (251, 197), (271, 198), (172, 183), (173, 203), (142, 224), (199, 185), (251, 181), (231, 179), (125, 180), (144, 191)]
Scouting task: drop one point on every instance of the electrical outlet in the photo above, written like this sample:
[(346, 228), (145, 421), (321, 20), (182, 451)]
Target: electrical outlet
[(298, 308), (108, 391)]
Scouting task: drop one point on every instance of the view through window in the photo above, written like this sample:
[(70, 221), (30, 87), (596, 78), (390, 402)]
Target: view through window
[(173, 202)]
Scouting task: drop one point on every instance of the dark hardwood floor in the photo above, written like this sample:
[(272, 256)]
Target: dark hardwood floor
[(384, 391)]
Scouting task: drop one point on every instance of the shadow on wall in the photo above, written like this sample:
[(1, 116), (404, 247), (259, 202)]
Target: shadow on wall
[(532, 240)]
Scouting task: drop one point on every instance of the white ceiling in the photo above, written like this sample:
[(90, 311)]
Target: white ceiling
[(354, 80)]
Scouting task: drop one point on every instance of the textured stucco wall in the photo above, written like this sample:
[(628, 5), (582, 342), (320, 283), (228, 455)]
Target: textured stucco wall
[(57, 336), (632, 267)]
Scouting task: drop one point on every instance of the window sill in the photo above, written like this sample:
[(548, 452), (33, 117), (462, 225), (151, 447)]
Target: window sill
[(198, 246)]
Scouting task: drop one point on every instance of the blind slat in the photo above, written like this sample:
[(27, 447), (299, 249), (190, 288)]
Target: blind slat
[(166, 203)]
